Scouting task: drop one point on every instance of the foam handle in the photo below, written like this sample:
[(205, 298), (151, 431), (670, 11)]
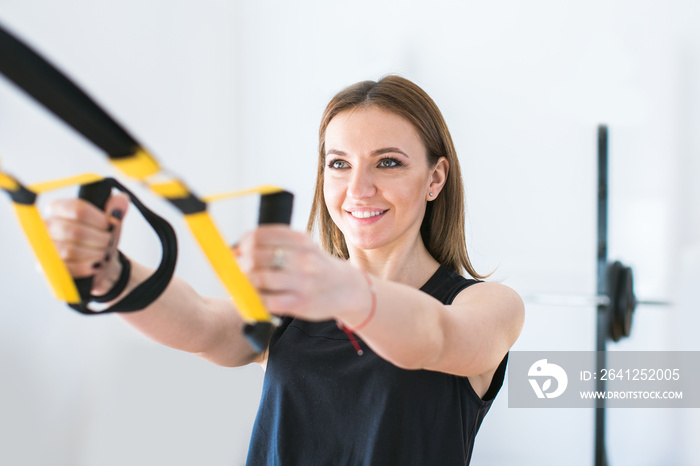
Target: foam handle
[(97, 194), (276, 208)]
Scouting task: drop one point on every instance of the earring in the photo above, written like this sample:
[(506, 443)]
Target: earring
[(430, 194)]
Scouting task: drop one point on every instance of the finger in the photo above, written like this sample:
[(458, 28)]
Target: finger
[(75, 255), (78, 210), (272, 280), (278, 257), (82, 269), (116, 207), (272, 259), (282, 303), (78, 234), (274, 235)]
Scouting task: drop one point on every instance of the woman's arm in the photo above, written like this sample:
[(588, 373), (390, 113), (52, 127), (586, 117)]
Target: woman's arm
[(182, 319), (409, 328), (415, 331), (87, 240)]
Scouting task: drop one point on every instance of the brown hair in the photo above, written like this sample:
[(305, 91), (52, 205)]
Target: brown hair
[(442, 229)]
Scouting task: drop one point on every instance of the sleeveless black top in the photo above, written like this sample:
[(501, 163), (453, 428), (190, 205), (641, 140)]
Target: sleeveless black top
[(322, 404)]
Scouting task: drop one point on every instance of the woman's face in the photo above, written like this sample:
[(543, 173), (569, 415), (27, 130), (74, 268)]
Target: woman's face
[(376, 178)]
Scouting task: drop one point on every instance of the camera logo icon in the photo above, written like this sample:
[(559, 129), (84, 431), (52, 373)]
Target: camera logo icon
[(544, 372)]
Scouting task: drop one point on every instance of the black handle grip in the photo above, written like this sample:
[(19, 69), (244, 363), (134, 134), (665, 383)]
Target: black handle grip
[(97, 194), (274, 208)]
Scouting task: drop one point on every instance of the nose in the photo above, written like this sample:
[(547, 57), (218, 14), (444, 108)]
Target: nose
[(361, 184)]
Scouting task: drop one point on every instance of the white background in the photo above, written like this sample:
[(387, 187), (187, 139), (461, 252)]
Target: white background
[(229, 94)]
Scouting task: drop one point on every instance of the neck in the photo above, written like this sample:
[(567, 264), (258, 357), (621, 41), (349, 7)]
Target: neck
[(409, 263)]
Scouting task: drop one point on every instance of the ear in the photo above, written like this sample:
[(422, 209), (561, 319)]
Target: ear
[(438, 177)]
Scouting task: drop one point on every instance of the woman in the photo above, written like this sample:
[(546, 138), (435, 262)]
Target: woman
[(385, 353)]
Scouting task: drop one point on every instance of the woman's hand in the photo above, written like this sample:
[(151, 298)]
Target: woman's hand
[(87, 238), (294, 276)]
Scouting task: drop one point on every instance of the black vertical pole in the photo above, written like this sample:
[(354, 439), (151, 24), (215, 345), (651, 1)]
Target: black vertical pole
[(601, 288)]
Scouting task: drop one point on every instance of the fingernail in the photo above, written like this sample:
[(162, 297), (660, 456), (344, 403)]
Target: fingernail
[(118, 214), (96, 265)]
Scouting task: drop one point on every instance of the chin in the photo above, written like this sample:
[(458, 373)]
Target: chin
[(364, 243)]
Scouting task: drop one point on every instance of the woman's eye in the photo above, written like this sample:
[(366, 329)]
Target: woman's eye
[(338, 164), (389, 163)]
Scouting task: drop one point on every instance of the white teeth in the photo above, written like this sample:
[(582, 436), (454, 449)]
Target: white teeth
[(365, 214)]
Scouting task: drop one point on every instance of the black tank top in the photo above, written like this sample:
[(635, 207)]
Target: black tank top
[(322, 404)]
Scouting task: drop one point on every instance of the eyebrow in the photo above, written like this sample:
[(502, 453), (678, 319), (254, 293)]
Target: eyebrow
[(374, 153)]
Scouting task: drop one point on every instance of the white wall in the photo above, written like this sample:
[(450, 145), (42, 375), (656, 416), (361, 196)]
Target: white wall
[(229, 94)]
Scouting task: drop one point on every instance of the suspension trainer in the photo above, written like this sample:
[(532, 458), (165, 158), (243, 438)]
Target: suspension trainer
[(55, 91)]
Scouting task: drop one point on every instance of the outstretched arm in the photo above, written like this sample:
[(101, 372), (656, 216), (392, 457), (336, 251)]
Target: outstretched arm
[(87, 240), (409, 328)]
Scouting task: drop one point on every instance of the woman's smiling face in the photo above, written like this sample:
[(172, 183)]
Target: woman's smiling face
[(376, 177)]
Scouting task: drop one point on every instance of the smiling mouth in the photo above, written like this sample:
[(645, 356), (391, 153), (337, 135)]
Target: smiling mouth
[(367, 214)]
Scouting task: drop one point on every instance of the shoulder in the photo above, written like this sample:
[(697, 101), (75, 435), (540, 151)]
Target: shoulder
[(502, 302), (490, 291)]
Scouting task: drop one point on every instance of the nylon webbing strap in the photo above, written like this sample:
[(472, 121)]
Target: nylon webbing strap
[(50, 87)]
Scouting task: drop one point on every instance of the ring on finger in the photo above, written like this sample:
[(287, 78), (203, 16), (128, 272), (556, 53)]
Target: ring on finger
[(278, 258)]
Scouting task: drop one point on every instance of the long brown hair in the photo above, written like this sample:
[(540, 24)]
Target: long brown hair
[(442, 229)]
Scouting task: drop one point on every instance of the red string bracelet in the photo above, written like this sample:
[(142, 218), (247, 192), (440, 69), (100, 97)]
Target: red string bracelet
[(349, 331)]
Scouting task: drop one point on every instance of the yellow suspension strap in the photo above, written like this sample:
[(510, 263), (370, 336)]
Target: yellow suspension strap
[(77, 292), (65, 99)]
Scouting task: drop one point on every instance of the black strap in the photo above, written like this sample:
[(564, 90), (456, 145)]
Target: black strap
[(53, 89), (148, 291)]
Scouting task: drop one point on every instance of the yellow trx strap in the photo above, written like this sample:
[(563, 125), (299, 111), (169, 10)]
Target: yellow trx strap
[(24, 203)]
